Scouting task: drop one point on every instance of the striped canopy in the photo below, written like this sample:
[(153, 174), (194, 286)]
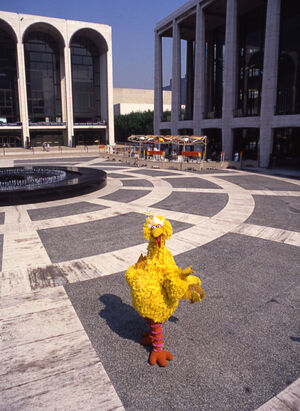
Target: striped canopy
[(159, 139)]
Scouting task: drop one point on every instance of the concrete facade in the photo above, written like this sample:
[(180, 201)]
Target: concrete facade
[(17, 26), (127, 100), (198, 21)]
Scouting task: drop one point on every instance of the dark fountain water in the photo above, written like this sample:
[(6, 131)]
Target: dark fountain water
[(31, 184)]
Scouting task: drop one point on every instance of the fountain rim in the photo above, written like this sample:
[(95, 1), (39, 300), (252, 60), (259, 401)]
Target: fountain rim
[(84, 181)]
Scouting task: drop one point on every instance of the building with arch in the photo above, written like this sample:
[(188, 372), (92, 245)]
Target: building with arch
[(241, 63), (55, 81)]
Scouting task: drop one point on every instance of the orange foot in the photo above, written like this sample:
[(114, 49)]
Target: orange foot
[(146, 339), (160, 357)]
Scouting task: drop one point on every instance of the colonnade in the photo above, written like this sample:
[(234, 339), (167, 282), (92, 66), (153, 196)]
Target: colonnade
[(265, 122)]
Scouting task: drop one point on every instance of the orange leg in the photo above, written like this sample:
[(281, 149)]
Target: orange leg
[(158, 354), (146, 339)]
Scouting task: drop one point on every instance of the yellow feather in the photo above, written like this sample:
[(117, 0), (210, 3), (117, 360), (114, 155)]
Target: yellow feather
[(156, 283)]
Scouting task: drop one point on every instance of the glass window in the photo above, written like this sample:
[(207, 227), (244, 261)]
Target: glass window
[(288, 87), (251, 36), (42, 60), (85, 80), (215, 52), (9, 102), (246, 140)]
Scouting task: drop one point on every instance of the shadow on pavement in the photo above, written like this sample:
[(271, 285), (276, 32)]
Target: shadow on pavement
[(121, 318)]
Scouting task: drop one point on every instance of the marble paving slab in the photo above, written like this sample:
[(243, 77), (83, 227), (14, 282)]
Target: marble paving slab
[(108, 168), (207, 351), (96, 237), (116, 175), (47, 360), (54, 160), (268, 233), (155, 173), (125, 195), (194, 203), (276, 212), (241, 264), (254, 182), (137, 183), (184, 182), (63, 210)]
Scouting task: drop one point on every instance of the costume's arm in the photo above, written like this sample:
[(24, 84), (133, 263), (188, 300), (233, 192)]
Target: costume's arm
[(185, 272), (174, 286), (182, 285), (194, 292), (132, 271)]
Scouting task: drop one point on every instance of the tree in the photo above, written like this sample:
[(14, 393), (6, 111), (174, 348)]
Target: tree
[(133, 123)]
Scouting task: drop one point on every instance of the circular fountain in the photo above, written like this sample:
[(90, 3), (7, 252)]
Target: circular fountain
[(32, 184)]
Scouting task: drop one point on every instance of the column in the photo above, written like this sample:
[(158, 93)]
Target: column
[(63, 87), (110, 130), (104, 94), (176, 78), (22, 92), (189, 95), (229, 82), (199, 85), (158, 97), (209, 73), (63, 95), (269, 81), (69, 98)]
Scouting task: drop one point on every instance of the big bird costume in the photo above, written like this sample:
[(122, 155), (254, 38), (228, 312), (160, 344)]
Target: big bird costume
[(157, 285)]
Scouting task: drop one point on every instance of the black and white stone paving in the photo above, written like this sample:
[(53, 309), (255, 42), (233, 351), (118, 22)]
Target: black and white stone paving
[(70, 337)]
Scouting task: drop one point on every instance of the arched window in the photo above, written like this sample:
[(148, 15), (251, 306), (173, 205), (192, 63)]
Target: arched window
[(42, 62), (85, 59), (9, 106)]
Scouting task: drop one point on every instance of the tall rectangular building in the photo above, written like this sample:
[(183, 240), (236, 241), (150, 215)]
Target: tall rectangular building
[(55, 81), (240, 60)]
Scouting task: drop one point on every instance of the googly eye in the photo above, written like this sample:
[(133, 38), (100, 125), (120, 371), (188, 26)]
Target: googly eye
[(152, 227), (158, 226)]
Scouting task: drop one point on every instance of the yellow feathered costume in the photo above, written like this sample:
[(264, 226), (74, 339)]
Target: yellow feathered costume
[(157, 284)]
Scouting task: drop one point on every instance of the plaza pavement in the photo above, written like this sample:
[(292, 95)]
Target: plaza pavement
[(69, 336)]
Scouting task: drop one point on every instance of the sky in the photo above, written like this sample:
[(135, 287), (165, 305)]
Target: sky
[(132, 22)]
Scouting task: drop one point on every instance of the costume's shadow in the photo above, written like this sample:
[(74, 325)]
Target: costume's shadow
[(122, 318)]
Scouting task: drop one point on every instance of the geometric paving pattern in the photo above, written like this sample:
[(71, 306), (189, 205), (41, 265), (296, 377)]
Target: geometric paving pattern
[(96, 237), (278, 212), (202, 204), (70, 335), (63, 210)]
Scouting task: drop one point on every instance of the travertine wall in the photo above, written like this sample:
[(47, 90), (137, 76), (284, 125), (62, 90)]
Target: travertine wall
[(267, 120), (18, 24), (127, 100)]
